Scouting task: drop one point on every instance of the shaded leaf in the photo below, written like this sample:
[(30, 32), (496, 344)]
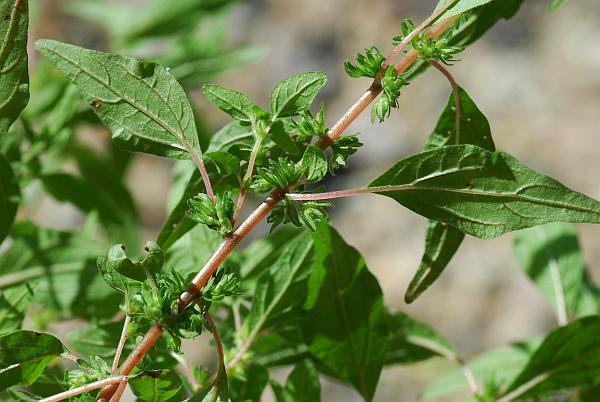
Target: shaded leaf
[(13, 305), (302, 384), (9, 197), (497, 366), (14, 77), (551, 257), (346, 327), (295, 94), (139, 101), (248, 383), (155, 385), (483, 193), (412, 341), (24, 355), (569, 356)]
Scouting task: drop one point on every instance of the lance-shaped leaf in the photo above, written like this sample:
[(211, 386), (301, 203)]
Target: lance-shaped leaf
[(412, 341), (568, 357), (141, 102), (346, 327), (14, 77), (295, 94), (551, 257), (442, 241), (9, 197), (482, 193), (460, 6), (24, 355)]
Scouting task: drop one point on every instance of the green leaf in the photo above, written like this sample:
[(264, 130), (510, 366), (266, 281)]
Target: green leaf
[(442, 241), (497, 366), (96, 340), (279, 289), (295, 94), (248, 384), (412, 341), (139, 101), (156, 385), (551, 257), (9, 197), (14, 77), (460, 7), (346, 328), (226, 162), (314, 164), (474, 127), (234, 103), (555, 4), (24, 355), (482, 193), (302, 384), (568, 357), (281, 137), (13, 305)]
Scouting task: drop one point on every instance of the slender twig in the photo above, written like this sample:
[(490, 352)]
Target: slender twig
[(203, 173), (434, 16), (524, 388), (469, 376), (237, 320), (455, 92), (120, 346), (232, 240), (85, 388), (186, 371), (220, 356), (240, 201)]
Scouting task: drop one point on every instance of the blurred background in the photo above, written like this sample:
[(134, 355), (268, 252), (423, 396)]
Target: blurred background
[(536, 77)]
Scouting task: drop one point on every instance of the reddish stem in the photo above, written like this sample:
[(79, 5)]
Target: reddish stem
[(456, 93)]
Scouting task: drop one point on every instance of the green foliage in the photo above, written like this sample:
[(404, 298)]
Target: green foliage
[(24, 355), (14, 77), (9, 197), (140, 101), (464, 176), (295, 94), (551, 257), (294, 298), (216, 215), (555, 4), (341, 149), (566, 358), (442, 241), (156, 385), (391, 84), (367, 64), (346, 330)]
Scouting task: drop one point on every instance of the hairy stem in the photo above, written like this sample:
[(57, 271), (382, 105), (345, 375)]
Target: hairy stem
[(455, 92), (85, 388), (233, 239), (204, 174), (346, 193)]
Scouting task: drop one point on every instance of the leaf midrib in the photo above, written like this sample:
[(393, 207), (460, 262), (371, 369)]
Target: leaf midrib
[(132, 103)]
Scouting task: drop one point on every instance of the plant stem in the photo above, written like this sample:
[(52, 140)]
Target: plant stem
[(187, 371), (85, 388), (345, 193), (455, 92), (240, 201), (119, 392), (524, 388), (219, 345), (233, 239), (471, 380), (205, 179), (434, 16), (120, 345)]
